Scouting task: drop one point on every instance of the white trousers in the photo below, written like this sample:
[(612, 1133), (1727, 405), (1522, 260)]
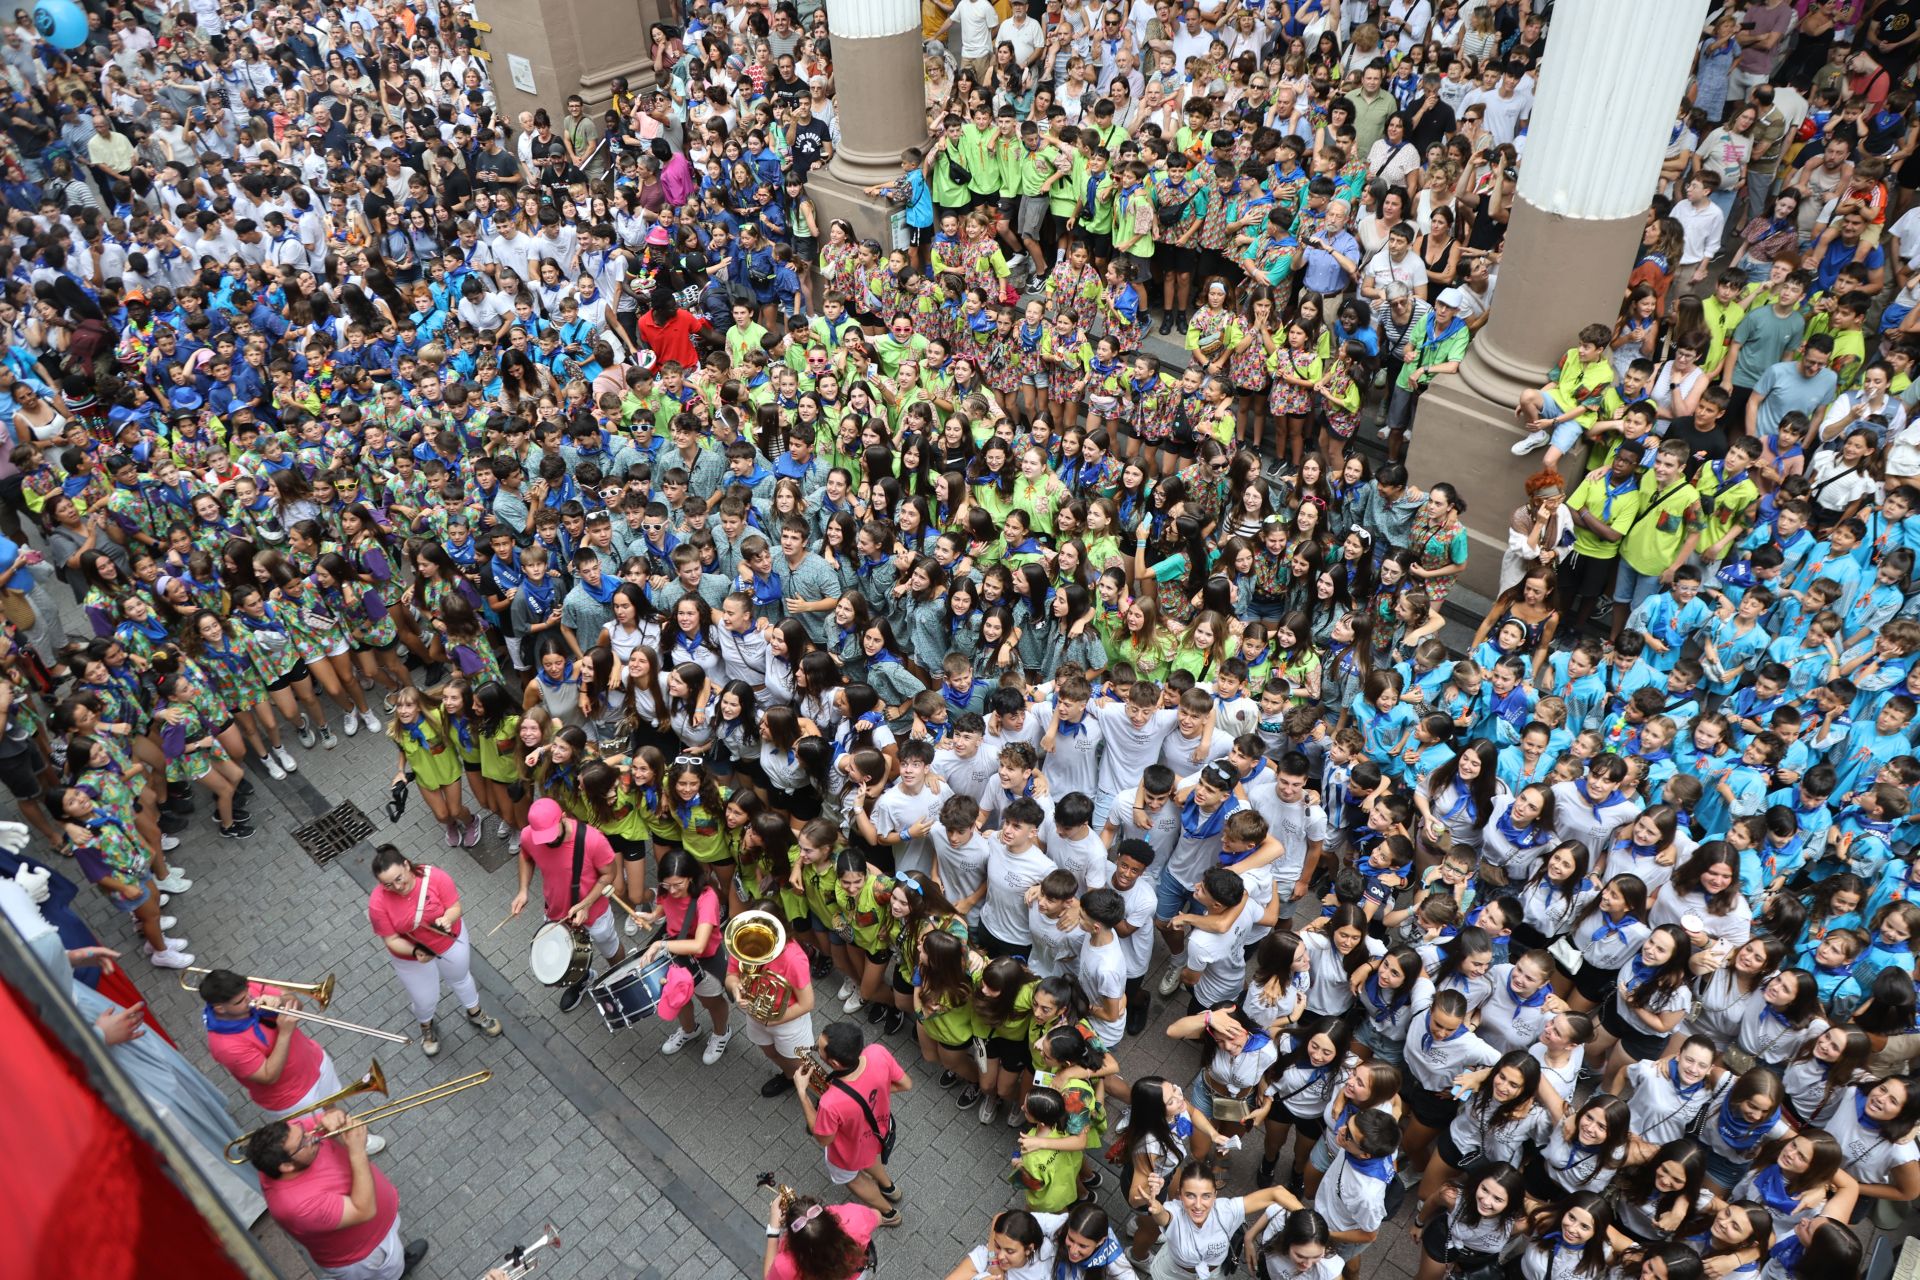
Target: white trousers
[(326, 1084), (386, 1262), (422, 978)]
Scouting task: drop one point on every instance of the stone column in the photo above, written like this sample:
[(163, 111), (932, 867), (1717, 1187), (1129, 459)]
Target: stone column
[(1609, 89), (879, 94), (570, 46)]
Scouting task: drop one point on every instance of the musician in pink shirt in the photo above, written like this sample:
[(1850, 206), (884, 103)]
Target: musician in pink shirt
[(323, 1190), (416, 913)]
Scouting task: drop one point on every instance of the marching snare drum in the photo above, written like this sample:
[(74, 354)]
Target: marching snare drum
[(631, 993), (561, 954)]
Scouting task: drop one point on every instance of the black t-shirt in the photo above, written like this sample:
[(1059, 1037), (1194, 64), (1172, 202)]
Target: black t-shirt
[(1435, 126), (503, 164), (1702, 446), (1895, 20), (809, 144), (456, 188)]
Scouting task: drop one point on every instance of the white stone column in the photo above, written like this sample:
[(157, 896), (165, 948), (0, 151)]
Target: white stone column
[(1609, 92), (878, 80), (1611, 84)]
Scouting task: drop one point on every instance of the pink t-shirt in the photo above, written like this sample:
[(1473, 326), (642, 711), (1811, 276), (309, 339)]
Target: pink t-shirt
[(310, 1204), (555, 862), (855, 1145), (392, 913), (790, 964), (706, 911), (242, 1054), (856, 1220)]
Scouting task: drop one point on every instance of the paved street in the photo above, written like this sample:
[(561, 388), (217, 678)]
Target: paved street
[(645, 1163)]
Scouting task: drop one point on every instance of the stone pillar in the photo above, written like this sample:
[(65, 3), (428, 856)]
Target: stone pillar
[(879, 94), (1612, 80), (569, 46)]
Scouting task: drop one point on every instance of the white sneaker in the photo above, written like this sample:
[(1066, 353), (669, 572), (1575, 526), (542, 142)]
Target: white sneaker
[(375, 1144), (716, 1048), (852, 1004), (372, 722), (679, 1040), (631, 927), (168, 959), (513, 844), (502, 831), (327, 739), (274, 770), (1533, 440), (351, 725), (1170, 980), (175, 944), (286, 759), (166, 923), (168, 843), (175, 882), (847, 989)]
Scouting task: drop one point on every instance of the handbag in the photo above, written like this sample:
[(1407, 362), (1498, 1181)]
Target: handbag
[(957, 172), (1566, 955), (892, 1131)]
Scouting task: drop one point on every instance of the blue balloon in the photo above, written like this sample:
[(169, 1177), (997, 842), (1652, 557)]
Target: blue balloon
[(61, 23)]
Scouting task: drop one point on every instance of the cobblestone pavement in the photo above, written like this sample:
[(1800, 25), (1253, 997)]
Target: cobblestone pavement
[(646, 1164)]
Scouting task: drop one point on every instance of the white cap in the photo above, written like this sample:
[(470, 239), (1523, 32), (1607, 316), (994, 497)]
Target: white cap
[(1453, 297)]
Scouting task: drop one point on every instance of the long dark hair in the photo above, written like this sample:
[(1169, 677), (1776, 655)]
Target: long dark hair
[(820, 1247), (1593, 1254), (1492, 1112), (1638, 1183), (1089, 1222), (1669, 977), (1147, 1118), (1686, 878), (1511, 1180), (1484, 786)]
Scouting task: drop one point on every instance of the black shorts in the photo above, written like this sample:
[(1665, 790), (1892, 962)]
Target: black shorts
[(293, 677), (1589, 576), (874, 957), (997, 947), (1537, 1180), (803, 804), (1014, 1055), (1173, 259), (901, 986), (1310, 1127), (356, 646), (919, 236), (1434, 1110), (225, 725), (471, 766), (1595, 983), (1641, 1046), (1099, 243), (629, 849), (1526, 938), (1450, 1151), (20, 772)]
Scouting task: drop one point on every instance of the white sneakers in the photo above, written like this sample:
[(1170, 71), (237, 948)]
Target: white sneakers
[(679, 1040), (716, 1048), (175, 882), (169, 958), (352, 724), (852, 1004), (273, 768), (286, 759), (1530, 442), (375, 1144), (372, 721)]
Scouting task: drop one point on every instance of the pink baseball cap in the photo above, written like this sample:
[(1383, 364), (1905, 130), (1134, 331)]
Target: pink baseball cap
[(544, 822)]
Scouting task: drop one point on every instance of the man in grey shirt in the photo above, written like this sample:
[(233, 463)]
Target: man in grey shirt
[(1803, 386)]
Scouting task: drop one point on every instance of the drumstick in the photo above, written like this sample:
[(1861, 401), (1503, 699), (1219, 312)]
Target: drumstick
[(499, 926)]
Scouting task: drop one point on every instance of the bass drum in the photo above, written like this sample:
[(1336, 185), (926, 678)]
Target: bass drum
[(631, 993)]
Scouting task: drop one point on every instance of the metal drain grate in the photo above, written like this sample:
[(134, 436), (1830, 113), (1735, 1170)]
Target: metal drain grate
[(332, 834)]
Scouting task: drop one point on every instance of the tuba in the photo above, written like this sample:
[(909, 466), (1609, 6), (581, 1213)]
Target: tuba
[(753, 939)]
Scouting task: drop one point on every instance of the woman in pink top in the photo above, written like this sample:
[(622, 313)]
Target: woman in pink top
[(691, 909), (810, 1241), (416, 913)]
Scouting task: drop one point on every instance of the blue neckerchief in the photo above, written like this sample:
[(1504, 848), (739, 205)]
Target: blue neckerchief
[(1609, 929), (464, 727), (1465, 799), (689, 645), (1205, 827), (507, 574), (1684, 1090), (538, 595), (881, 658), (1383, 1009), (1072, 728), (1860, 1112), (235, 1026), (1525, 838), (957, 702), (603, 594), (1789, 1252), (1104, 1255), (1534, 1001), (1742, 1135), (418, 732), (153, 629), (1379, 1168), (1640, 970), (1427, 1039), (1770, 1185)]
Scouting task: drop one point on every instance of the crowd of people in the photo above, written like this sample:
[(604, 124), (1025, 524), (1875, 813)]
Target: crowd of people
[(1022, 668)]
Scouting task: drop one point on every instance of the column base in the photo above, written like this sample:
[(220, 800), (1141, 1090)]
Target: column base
[(1464, 439), (837, 197)]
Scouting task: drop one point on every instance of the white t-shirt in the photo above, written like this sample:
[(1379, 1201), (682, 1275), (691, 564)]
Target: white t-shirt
[(1220, 958), (1026, 37), (975, 19), (1009, 875), (896, 811), (1103, 974), (1142, 901)]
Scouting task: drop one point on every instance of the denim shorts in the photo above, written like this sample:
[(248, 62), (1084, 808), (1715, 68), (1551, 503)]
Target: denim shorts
[(1385, 1048), (147, 890), (1174, 897)]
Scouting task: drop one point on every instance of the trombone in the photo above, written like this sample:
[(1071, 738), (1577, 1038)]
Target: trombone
[(375, 1081), (322, 993)]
